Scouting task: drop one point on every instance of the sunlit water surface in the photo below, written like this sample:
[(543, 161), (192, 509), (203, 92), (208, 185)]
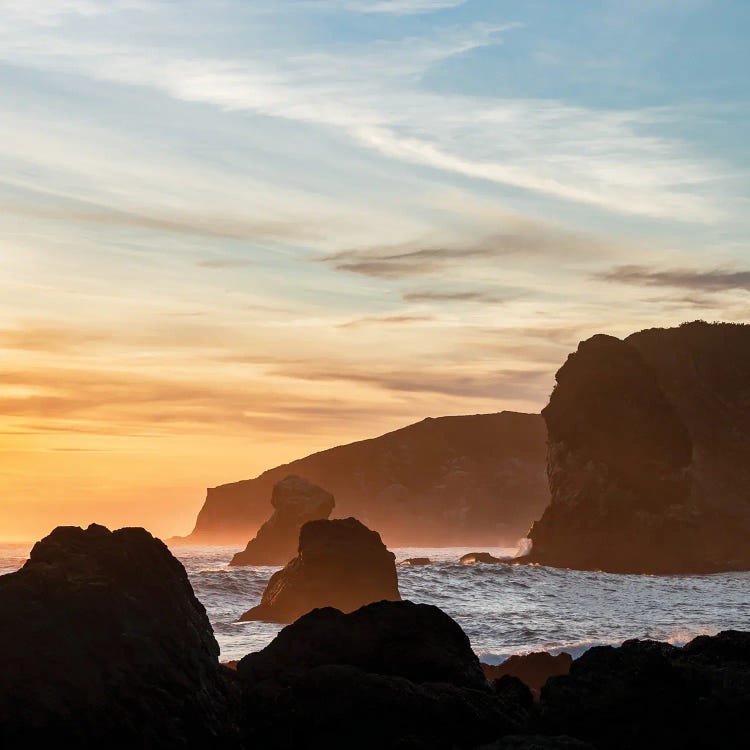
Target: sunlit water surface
[(504, 609)]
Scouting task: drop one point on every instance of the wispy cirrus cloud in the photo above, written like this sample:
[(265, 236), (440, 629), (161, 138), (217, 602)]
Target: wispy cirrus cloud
[(395, 7), (372, 92), (702, 280), (424, 258), (176, 222)]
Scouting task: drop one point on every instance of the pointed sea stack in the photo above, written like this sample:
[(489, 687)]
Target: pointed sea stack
[(295, 501)]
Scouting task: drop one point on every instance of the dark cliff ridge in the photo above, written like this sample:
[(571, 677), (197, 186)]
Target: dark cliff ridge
[(649, 454), (472, 479)]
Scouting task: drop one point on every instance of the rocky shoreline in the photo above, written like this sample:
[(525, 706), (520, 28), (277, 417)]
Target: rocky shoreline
[(106, 645)]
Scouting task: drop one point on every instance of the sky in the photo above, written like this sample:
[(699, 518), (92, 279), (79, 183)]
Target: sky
[(235, 232)]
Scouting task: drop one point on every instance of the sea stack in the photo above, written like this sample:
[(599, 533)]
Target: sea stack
[(340, 563), (295, 502), (649, 454)]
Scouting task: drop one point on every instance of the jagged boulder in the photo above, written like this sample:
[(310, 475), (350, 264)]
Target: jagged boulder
[(295, 501), (653, 695), (105, 645), (399, 638), (341, 563), (391, 674)]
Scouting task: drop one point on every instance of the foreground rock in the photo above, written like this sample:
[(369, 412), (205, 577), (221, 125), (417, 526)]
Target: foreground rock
[(537, 742), (649, 454), (341, 563), (532, 669), (295, 501), (447, 481), (391, 674), (104, 645), (647, 694)]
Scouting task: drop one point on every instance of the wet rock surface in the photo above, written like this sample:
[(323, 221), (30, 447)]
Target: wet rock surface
[(472, 558), (416, 561)]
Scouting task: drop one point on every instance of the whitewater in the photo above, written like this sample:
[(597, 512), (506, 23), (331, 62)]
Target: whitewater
[(504, 609)]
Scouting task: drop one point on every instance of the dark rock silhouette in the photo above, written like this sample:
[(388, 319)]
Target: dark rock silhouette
[(472, 558), (104, 645), (295, 501), (416, 641), (452, 480), (341, 563), (537, 742), (416, 561), (532, 669), (649, 454), (652, 695), (391, 674)]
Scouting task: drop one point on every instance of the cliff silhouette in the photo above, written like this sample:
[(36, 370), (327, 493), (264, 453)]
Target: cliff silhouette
[(450, 480)]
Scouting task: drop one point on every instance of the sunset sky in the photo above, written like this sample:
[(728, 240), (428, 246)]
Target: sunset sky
[(235, 232)]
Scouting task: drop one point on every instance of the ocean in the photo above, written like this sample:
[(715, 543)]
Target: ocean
[(504, 609)]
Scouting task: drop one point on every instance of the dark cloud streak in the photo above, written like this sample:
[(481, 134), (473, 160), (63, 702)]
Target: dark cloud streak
[(425, 258), (386, 320), (710, 280), (485, 297)]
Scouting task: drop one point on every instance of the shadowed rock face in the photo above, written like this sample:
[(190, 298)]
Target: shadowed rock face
[(649, 454), (341, 563), (418, 642), (532, 669), (476, 479), (391, 674), (537, 742), (652, 695), (295, 501), (104, 644)]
